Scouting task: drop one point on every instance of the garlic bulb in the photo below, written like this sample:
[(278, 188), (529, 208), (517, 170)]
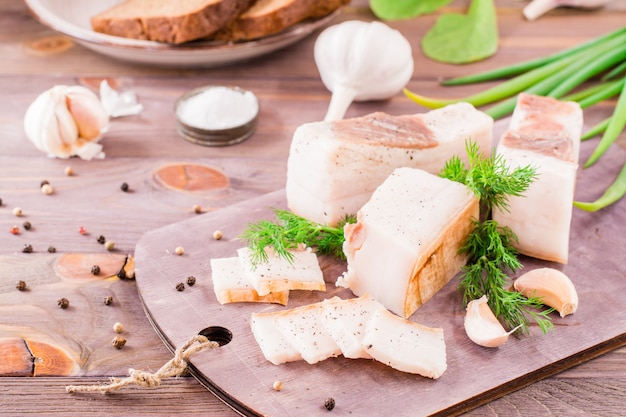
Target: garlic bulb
[(552, 287), (65, 121), (537, 8), (482, 326), (360, 61)]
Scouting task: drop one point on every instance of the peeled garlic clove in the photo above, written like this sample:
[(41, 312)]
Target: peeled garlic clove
[(551, 286), (482, 326), (66, 121)]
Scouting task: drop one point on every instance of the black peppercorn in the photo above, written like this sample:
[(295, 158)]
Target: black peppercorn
[(52, 249), (118, 342), (124, 187), (191, 280), (95, 270), (121, 274), (108, 300), (28, 248), (180, 287), (63, 303), (329, 403), (101, 239), (0, 201), (27, 225), (21, 285)]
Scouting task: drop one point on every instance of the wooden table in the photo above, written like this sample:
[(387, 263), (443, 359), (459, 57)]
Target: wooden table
[(34, 58)]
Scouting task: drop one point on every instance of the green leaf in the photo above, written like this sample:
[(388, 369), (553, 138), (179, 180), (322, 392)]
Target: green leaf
[(404, 9), (460, 39)]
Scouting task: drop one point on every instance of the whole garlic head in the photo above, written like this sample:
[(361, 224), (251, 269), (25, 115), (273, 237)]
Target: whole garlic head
[(67, 121), (360, 61)]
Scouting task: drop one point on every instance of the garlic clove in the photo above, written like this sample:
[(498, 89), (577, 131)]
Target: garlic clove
[(537, 8), (46, 124), (482, 326), (551, 286), (88, 113)]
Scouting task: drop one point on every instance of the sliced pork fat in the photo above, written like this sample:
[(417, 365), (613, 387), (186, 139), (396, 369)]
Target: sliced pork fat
[(345, 321), (302, 272), (231, 285), (405, 345)]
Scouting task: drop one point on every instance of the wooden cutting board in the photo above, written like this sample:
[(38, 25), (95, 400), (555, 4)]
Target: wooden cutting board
[(238, 373)]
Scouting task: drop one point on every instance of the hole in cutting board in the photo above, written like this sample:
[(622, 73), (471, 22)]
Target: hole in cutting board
[(218, 334)]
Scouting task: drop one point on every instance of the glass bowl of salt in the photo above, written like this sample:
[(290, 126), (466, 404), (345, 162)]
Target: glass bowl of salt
[(216, 115)]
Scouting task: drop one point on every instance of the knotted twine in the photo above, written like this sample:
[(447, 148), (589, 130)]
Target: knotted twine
[(174, 367)]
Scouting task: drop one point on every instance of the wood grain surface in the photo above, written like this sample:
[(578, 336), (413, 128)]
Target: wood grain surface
[(33, 58)]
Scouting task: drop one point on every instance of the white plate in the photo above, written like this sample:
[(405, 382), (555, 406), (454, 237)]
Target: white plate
[(72, 18)]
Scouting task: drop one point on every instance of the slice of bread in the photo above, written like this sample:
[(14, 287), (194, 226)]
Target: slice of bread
[(267, 17), (168, 21)]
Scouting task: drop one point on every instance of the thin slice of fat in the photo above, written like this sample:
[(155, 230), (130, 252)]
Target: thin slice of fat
[(304, 330), (231, 286), (345, 321), (334, 167), (405, 245), (405, 345), (302, 272), (275, 347), (544, 133)]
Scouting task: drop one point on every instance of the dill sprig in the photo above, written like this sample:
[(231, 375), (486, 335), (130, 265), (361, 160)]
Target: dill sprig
[(289, 231), (490, 250), (489, 177)]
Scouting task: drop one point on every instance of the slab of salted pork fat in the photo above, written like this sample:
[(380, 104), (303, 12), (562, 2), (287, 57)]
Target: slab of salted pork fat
[(334, 166), (545, 133), (405, 244)]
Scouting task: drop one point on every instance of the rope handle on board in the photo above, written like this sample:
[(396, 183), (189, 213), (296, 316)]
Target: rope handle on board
[(174, 367)]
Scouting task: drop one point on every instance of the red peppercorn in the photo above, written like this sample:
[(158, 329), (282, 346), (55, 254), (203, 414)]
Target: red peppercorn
[(82, 230), (15, 230)]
